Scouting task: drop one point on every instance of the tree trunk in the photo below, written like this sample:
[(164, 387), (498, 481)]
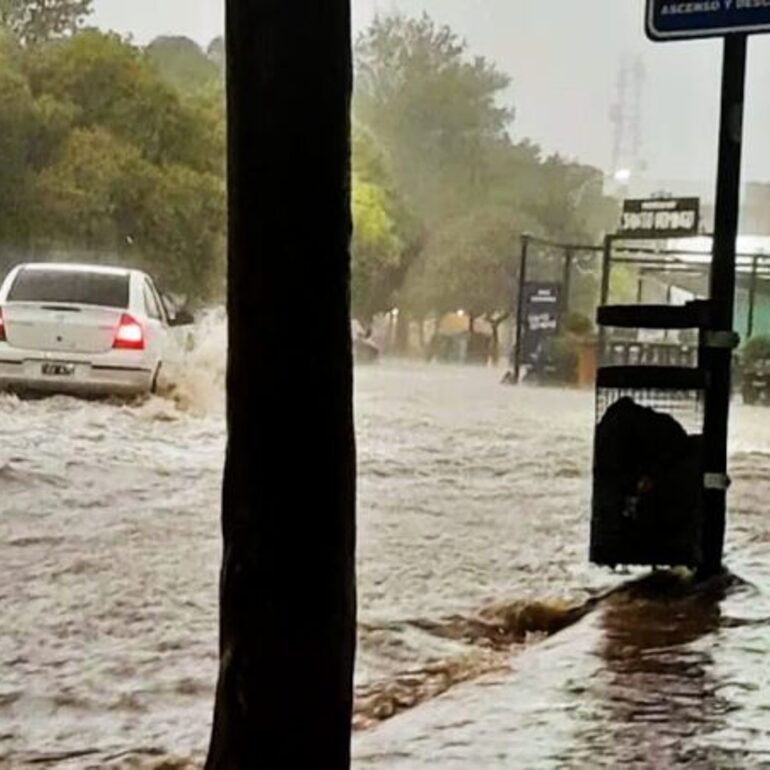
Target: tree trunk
[(422, 334), (287, 625), (494, 349), (391, 333), (402, 333), (494, 346)]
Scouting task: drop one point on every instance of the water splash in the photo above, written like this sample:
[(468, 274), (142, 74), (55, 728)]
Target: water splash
[(485, 643), (198, 384)]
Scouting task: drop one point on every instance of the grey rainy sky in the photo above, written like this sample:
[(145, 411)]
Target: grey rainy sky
[(563, 58)]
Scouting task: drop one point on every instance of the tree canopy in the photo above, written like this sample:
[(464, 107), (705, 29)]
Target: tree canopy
[(443, 121), (120, 150), (102, 156), (183, 64), (469, 264), (35, 21), (384, 231), (434, 110)]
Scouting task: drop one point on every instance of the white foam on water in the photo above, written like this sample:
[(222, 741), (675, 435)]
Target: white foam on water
[(198, 385)]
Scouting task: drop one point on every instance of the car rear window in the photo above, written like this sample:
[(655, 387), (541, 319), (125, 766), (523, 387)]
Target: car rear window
[(79, 287)]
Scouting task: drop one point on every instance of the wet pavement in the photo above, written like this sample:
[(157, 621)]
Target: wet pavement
[(661, 675)]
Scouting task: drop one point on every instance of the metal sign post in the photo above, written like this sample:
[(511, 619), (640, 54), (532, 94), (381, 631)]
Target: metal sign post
[(752, 297), (525, 241), (733, 19), (718, 357)]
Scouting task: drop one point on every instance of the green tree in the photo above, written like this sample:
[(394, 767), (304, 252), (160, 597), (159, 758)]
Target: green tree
[(35, 21), (440, 118), (101, 193), (113, 86), (100, 155), (216, 53), (433, 108), (18, 124), (470, 264), (182, 233), (182, 63), (376, 247), (569, 201), (80, 194), (208, 106), (55, 119), (384, 232)]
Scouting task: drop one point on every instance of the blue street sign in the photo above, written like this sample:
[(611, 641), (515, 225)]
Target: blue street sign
[(678, 19)]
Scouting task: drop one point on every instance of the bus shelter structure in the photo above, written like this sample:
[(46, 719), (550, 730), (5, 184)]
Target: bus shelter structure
[(659, 336), (674, 272)]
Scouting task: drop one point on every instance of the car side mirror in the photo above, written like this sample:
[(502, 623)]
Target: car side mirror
[(182, 317)]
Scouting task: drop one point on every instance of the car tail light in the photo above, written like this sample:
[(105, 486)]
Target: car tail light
[(2, 326), (130, 335)]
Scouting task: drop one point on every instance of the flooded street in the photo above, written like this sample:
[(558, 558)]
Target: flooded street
[(473, 528), (656, 678), (459, 183)]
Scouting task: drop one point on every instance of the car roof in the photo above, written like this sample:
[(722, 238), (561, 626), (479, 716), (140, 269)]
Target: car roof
[(78, 268)]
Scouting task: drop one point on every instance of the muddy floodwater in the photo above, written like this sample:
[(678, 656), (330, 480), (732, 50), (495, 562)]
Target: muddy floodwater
[(473, 527)]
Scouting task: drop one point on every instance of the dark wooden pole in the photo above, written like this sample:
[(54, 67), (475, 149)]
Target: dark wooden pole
[(284, 697), (520, 309), (752, 297), (569, 256), (604, 289)]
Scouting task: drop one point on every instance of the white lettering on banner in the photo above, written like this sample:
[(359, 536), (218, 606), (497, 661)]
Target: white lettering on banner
[(708, 6), (644, 220), (543, 322), (660, 220), (674, 220), (659, 205), (752, 4)]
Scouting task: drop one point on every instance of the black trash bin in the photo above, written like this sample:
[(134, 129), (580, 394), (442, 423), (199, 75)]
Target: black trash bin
[(648, 482), (648, 476)]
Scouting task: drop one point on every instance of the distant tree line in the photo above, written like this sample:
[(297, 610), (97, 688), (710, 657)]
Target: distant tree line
[(35, 21), (109, 148), (447, 190)]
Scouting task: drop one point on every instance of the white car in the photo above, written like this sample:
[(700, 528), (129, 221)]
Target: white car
[(85, 330)]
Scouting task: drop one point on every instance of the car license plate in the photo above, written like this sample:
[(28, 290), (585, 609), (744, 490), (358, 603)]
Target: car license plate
[(58, 370)]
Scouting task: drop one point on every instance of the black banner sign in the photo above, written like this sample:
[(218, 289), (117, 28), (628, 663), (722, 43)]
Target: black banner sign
[(650, 218), (542, 316)]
